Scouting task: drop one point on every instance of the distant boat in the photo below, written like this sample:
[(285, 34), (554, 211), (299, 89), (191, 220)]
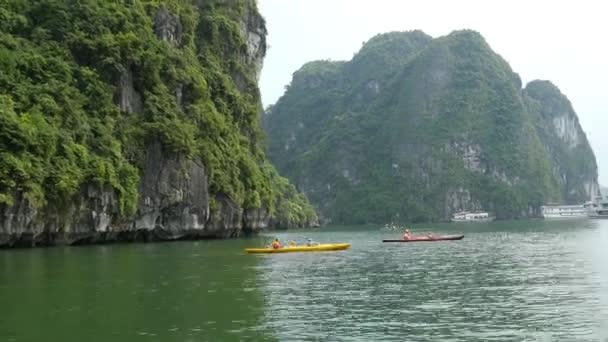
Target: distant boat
[(597, 208), (478, 216), (563, 211), (427, 238)]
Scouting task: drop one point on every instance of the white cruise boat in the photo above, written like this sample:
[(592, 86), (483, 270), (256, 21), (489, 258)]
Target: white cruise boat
[(465, 216), (597, 208), (563, 211)]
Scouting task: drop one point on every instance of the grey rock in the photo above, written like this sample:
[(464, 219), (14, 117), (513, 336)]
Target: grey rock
[(129, 99), (168, 27), (173, 194), (253, 29)]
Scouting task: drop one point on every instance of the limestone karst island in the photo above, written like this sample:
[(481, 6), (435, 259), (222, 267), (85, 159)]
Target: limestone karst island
[(303, 170)]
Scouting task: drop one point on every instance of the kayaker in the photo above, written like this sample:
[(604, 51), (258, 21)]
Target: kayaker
[(406, 234), (276, 244), (311, 243)]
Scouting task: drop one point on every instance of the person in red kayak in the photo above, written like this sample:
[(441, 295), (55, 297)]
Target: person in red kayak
[(276, 244), (406, 234)]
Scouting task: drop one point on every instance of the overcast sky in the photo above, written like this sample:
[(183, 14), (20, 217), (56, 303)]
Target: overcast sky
[(560, 41)]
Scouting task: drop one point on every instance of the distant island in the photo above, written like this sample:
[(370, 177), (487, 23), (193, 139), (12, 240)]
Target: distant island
[(415, 129)]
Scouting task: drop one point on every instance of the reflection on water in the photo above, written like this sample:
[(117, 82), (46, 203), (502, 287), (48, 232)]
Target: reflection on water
[(183, 291), (506, 281)]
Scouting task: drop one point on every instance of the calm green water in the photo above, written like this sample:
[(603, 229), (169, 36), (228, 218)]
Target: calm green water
[(506, 281)]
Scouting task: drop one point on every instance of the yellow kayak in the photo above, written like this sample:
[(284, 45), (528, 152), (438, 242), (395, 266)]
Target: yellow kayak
[(288, 249)]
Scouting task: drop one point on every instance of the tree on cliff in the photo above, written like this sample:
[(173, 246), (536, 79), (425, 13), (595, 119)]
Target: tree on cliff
[(89, 88)]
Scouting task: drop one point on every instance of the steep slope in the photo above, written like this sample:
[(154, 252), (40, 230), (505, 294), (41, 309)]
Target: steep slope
[(443, 127), (135, 121), (574, 164)]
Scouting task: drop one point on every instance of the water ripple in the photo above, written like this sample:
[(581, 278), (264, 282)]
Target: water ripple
[(491, 286)]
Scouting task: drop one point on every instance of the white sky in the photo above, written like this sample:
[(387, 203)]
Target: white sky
[(560, 41)]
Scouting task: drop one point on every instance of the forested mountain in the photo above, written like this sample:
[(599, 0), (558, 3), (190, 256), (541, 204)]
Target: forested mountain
[(135, 120), (415, 128)]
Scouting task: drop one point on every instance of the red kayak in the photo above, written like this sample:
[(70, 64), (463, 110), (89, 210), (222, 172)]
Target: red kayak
[(426, 238)]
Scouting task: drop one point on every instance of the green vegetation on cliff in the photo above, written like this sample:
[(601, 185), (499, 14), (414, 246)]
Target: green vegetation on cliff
[(87, 85), (557, 126), (415, 128)]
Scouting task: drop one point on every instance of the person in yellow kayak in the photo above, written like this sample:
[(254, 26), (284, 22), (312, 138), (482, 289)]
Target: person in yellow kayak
[(311, 243), (276, 244)]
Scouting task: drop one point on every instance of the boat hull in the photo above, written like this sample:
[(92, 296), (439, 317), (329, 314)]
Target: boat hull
[(428, 239), (565, 217), (490, 219), (317, 248)]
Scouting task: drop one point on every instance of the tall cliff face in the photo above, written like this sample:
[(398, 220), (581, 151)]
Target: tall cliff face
[(557, 125), (135, 121), (415, 128)]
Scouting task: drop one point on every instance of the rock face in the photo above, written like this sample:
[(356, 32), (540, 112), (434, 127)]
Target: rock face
[(574, 164), (253, 28), (173, 193), (415, 129), (155, 132), (129, 99), (84, 221), (168, 27)]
